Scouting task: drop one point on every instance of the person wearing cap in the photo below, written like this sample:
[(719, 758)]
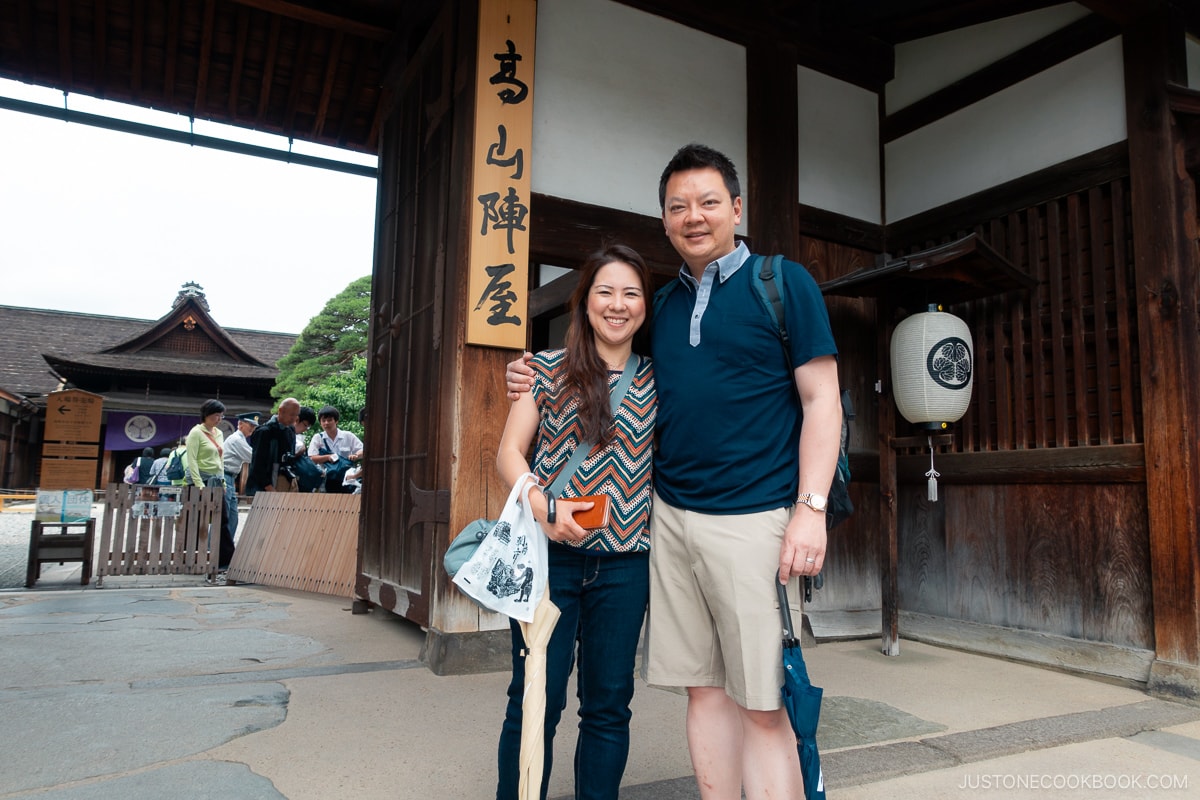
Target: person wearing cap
[(237, 455)]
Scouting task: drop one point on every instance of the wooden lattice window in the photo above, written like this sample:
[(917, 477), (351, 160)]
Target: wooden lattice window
[(1058, 366)]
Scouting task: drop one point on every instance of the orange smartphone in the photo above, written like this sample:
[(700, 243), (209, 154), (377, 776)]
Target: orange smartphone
[(596, 516)]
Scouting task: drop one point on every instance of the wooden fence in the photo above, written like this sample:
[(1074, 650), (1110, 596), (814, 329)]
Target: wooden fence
[(299, 541), (131, 545)]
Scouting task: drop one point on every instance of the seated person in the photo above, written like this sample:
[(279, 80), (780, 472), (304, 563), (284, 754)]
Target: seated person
[(336, 450)]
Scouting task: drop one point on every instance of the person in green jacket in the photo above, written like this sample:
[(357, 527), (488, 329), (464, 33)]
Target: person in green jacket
[(206, 447)]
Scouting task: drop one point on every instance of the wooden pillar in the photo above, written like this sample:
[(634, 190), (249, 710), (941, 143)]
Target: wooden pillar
[(773, 174), (889, 501), (1165, 263)]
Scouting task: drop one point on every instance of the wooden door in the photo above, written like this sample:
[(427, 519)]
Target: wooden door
[(405, 496)]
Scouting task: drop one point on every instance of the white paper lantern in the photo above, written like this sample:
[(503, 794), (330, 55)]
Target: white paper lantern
[(932, 368)]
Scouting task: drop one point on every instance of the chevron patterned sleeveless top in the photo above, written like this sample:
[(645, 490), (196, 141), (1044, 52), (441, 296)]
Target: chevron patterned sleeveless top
[(621, 469)]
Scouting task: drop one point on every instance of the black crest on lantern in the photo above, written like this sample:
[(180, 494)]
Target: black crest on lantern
[(949, 363)]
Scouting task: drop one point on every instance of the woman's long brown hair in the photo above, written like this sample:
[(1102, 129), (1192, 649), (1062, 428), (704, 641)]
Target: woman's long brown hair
[(586, 374)]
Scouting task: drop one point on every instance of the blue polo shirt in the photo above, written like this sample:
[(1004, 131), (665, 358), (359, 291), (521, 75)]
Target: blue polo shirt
[(728, 423)]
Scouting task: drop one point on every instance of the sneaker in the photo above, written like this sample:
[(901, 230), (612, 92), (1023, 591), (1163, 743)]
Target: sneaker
[(216, 580)]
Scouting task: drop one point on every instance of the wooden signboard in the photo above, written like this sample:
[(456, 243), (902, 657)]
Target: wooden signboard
[(73, 415), (60, 450), (498, 286), (71, 442), (68, 473)]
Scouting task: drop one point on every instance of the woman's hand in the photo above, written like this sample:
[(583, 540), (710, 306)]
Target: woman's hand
[(564, 528)]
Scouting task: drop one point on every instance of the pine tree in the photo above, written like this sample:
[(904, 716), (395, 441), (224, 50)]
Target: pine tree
[(346, 391), (328, 344)]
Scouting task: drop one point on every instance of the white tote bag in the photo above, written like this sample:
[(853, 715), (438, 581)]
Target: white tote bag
[(507, 573)]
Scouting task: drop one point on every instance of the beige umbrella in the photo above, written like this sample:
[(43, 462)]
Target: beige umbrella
[(533, 706)]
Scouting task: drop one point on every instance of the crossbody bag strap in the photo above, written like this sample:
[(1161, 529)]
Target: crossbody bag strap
[(615, 399), (220, 450)]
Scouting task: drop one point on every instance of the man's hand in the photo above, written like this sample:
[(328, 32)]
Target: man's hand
[(804, 542), (519, 376)]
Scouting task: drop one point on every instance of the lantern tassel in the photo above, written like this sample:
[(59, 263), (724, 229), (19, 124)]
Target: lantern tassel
[(933, 474)]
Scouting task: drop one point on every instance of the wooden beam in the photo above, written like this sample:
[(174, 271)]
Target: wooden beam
[(64, 44), (1122, 12), (100, 61), (269, 60), (331, 68), (205, 58), (836, 50), (321, 19), (1078, 174), (1031, 60), (830, 226), (137, 46), (897, 22), (171, 35), (239, 61), (347, 116), (564, 232), (1123, 463), (296, 79), (554, 295)]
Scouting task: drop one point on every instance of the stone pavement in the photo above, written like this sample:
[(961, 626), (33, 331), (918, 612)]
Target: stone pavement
[(163, 687)]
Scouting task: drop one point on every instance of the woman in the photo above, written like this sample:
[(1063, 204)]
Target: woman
[(205, 467), (206, 447), (599, 578)]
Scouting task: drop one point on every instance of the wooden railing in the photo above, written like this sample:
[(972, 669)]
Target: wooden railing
[(180, 545)]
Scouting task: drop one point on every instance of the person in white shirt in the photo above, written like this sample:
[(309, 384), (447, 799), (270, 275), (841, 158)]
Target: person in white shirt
[(237, 454), (336, 450), (306, 420)]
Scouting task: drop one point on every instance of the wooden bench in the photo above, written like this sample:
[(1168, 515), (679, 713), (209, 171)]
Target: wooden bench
[(60, 547), (20, 497)]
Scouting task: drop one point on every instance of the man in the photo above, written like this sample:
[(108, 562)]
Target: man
[(739, 485), (336, 449), (271, 443), (238, 452), (304, 420)]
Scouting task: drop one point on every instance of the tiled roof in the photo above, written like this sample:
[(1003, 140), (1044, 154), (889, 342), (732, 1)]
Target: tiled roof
[(28, 333)]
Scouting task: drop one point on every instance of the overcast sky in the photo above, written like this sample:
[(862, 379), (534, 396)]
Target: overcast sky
[(111, 223)]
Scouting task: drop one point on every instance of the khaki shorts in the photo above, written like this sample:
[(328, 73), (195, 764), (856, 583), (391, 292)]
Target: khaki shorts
[(714, 611)]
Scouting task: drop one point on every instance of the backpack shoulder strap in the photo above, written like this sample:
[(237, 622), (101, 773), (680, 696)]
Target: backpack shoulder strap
[(767, 279), (663, 293)]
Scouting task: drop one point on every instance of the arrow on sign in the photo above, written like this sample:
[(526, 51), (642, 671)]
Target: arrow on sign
[(64, 409)]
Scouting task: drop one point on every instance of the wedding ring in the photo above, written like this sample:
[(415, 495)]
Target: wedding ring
[(811, 560)]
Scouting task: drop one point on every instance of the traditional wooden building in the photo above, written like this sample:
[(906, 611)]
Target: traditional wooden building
[(152, 375), (1062, 136)]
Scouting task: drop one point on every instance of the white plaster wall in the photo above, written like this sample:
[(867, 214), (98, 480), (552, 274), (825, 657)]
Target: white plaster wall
[(1193, 62), (838, 126), (1072, 109), (618, 91), (925, 65)]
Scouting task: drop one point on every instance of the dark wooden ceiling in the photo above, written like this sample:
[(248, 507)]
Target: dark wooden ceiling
[(315, 70), (312, 71)]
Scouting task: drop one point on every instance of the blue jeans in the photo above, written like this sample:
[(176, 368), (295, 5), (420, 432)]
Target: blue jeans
[(603, 602), (231, 504)]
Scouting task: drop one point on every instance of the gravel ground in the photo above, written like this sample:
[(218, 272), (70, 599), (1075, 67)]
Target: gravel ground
[(15, 523)]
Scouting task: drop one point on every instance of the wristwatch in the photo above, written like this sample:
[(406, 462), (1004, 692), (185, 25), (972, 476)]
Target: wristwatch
[(816, 502)]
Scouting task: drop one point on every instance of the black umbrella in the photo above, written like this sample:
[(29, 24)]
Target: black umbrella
[(803, 703)]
